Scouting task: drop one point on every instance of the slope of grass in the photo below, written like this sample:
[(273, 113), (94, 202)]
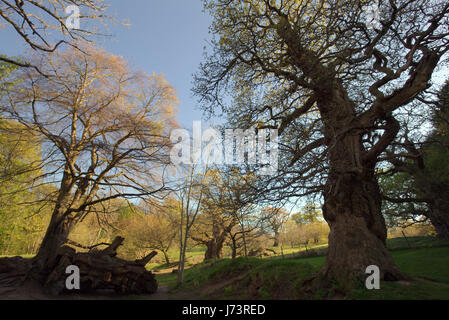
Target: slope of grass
[(261, 278), (426, 259), (430, 263), (255, 278), (416, 242)]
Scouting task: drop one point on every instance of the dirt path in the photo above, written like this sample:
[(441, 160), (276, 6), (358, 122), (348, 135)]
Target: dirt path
[(161, 294)]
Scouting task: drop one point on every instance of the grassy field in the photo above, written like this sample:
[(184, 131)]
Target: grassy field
[(280, 276), (426, 260), (195, 255)]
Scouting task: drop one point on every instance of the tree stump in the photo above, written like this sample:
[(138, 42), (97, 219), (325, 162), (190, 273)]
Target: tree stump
[(101, 270)]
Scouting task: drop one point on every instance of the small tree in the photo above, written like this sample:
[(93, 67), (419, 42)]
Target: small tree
[(276, 218), (223, 208), (157, 228)]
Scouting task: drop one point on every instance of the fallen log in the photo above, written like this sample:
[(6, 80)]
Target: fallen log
[(13, 271), (102, 270)]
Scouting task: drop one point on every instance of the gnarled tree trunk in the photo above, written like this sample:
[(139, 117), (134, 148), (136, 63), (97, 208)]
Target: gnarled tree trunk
[(358, 233), (56, 236), (61, 223), (352, 199)]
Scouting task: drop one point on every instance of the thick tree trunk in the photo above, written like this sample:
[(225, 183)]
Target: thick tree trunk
[(352, 199), (439, 217), (358, 233), (57, 233), (214, 248)]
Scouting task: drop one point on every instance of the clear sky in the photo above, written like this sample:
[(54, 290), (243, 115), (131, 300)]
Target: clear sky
[(165, 36)]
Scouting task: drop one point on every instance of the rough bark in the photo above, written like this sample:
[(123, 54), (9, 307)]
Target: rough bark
[(352, 199), (57, 233), (55, 237), (439, 217), (214, 244), (358, 234)]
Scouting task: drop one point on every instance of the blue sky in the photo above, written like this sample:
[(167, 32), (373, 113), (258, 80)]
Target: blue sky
[(164, 36)]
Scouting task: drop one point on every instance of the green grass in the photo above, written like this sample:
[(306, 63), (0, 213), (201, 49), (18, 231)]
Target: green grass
[(431, 263), (195, 255), (426, 259), (428, 266), (25, 256), (255, 278), (275, 276), (415, 242), (167, 279)]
